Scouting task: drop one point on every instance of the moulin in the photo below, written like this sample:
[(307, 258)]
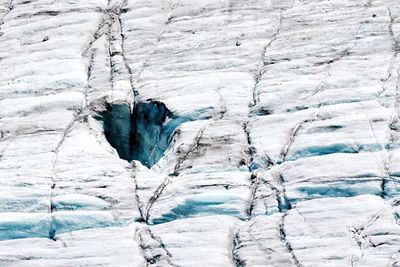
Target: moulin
[(142, 134)]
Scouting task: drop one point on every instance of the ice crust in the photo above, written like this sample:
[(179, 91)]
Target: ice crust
[(199, 133)]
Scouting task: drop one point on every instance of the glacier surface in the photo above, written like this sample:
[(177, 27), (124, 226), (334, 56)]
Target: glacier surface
[(199, 133)]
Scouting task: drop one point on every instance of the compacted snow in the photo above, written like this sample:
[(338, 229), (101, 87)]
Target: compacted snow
[(199, 133)]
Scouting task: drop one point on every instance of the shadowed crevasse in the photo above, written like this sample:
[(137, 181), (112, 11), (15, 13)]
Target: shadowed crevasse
[(143, 134)]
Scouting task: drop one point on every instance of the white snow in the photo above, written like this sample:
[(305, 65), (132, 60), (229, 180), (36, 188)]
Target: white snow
[(285, 151)]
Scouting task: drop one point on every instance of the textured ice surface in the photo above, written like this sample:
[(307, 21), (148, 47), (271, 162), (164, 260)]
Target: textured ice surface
[(199, 133)]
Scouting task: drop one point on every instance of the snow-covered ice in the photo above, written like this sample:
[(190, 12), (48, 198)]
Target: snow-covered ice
[(199, 133)]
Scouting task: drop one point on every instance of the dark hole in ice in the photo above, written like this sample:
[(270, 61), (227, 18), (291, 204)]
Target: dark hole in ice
[(143, 134)]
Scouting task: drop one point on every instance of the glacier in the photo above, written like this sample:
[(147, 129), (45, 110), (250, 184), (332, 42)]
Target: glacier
[(199, 133)]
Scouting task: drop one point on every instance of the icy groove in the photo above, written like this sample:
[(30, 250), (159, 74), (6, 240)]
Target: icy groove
[(137, 198), (193, 147), (99, 30), (134, 91), (283, 202), (153, 249), (337, 57), (237, 261), (286, 243), (291, 139), (89, 74), (110, 61), (255, 181), (264, 63), (254, 177), (154, 198)]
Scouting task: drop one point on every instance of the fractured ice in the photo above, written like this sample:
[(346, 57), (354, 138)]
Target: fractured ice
[(199, 133)]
